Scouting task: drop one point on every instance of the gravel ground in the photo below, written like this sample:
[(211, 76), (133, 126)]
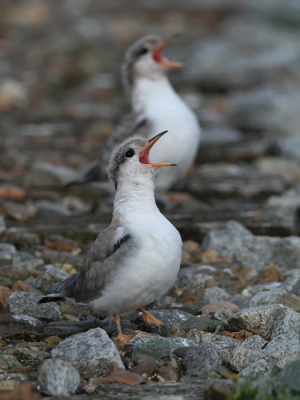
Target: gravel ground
[(234, 309)]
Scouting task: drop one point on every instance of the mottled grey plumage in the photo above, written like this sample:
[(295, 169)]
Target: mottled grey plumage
[(132, 55), (101, 262), (119, 155)]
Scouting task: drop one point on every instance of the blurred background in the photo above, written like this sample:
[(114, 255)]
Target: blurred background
[(61, 97)]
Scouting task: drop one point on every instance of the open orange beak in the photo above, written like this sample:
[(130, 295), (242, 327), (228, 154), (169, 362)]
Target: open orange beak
[(157, 56), (144, 154)]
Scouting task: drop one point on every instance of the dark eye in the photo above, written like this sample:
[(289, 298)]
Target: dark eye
[(129, 153), (142, 51)]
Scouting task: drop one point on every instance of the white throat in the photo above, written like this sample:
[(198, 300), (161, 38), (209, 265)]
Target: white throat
[(151, 89), (134, 198)]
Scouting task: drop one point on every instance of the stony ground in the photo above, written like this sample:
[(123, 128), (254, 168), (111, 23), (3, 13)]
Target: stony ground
[(234, 309)]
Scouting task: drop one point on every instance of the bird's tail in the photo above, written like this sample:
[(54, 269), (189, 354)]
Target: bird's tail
[(50, 297), (61, 291)]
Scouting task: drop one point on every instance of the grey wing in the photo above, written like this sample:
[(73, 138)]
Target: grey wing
[(131, 125), (106, 255)]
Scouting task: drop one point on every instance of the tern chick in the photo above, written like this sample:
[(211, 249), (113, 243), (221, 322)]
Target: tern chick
[(137, 258), (155, 106)]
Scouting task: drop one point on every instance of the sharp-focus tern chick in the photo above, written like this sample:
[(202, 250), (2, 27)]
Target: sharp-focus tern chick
[(155, 106), (137, 258)]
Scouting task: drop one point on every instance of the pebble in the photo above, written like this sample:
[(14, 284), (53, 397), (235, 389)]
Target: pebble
[(93, 349), (50, 277), (159, 348), (57, 378), (27, 303)]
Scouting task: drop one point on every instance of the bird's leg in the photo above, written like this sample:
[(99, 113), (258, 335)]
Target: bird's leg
[(120, 335), (150, 319)]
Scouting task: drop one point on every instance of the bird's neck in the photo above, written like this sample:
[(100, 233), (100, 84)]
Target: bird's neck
[(150, 90), (134, 199)]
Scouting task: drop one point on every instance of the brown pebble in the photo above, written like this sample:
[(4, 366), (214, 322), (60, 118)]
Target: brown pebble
[(143, 369), (53, 340), (125, 377), (85, 372)]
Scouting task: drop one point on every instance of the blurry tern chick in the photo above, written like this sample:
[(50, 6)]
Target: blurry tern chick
[(155, 106), (137, 258)]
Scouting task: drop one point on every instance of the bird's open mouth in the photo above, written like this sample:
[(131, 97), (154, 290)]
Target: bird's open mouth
[(158, 57), (144, 154)]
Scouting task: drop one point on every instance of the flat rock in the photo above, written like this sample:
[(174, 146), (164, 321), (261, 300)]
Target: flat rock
[(11, 324), (223, 186), (47, 174), (237, 243), (50, 277), (178, 323), (242, 358), (27, 303), (161, 347), (93, 349), (57, 378), (259, 320), (277, 296), (255, 370)]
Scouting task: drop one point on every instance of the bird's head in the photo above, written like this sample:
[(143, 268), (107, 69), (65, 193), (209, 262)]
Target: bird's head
[(131, 160), (144, 58)]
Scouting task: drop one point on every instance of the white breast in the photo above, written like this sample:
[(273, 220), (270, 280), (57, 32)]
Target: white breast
[(166, 111), (146, 274)]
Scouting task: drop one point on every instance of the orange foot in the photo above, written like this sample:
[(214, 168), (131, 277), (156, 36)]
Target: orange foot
[(123, 338), (150, 319)]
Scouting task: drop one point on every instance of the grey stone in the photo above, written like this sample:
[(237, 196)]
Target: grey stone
[(257, 369), (31, 351), (292, 283), (289, 377), (145, 359), (283, 348), (289, 199), (223, 314), (50, 277), (224, 345), (2, 224), (93, 349), (287, 253), (27, 303), (193, 278), (278, 296), (214, 295), (258, 320), (203, 361), (9, 362), (194, 335), (57, 378), (237, 243), (7, 252), (46, 174), (161, 347), (177, 323), (255, 342), (242, 358), (287, 321), (11, 324)]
